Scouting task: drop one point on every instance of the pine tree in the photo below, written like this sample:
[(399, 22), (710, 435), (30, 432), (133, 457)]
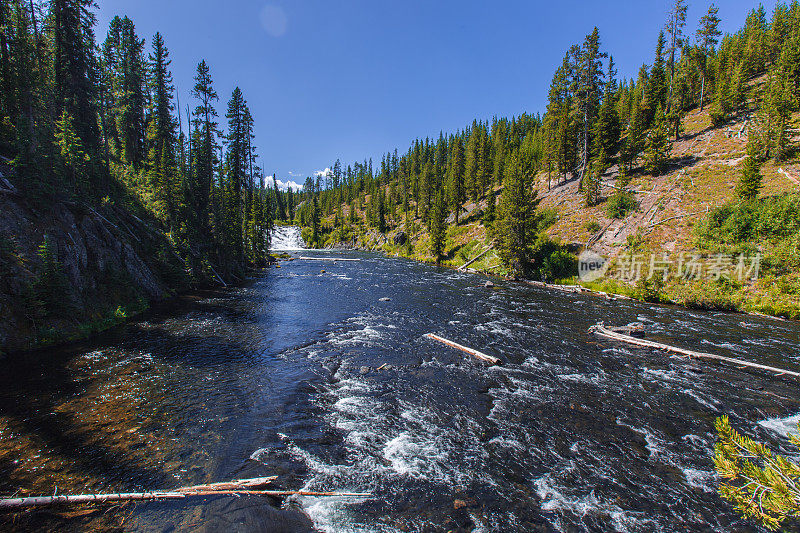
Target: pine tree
[(594, 178), (657, 90), (472, 163), (676, 21), (72, 36), (750, 182), (204, 156), (658, 146), (515, 226), (607, 128), (589, 75), (238, 158), (21, 110), (776, 109), (73, 156), (707, 37), (560, 145), (162, 138), (381, 212), (438, 225), (456, 193)]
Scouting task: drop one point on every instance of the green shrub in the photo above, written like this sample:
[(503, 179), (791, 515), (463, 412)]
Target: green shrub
[(592, 226), (773, 218), (546, 217), (560, 264), (650, 290), (307, 234), (620, 204), (550, 259)]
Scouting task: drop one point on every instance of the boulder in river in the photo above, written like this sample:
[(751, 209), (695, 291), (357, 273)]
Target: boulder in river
[(384, 299), (488, 284)]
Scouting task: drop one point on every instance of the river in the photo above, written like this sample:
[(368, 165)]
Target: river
[(280, 377)]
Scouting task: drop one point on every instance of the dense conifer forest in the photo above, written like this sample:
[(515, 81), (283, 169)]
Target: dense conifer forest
[(97, 123)]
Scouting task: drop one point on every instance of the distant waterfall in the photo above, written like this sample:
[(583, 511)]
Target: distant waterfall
[(285, 238)]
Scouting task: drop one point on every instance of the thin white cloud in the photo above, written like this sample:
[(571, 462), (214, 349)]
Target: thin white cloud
[(323, 173), (284, 185)]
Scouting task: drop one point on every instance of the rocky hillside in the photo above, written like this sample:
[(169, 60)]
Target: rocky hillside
[(704, 166), (69, 269)]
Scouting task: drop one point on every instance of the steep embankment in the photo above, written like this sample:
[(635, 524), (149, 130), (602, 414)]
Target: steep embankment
[(69, 269)]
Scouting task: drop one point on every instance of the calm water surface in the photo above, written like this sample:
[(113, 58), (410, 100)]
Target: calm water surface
[(279, 377)]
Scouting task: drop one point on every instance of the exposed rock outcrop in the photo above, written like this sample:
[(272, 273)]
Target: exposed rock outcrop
[(105, 264)]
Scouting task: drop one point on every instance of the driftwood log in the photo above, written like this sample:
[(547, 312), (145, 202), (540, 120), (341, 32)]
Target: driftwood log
[(601, 330), (479, 355), (239, 487), (329, 258)]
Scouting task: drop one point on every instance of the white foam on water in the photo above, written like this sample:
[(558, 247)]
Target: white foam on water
[(593, 379), (725, 345), (553, 500), (504, 442), (782, 426), (330, 516), (369, 334), (412, 457), (495, 327)]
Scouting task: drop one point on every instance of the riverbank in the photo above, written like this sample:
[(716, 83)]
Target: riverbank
[(465, 243)]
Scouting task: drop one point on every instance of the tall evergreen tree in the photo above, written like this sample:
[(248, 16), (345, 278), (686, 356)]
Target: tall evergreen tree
[(204, 156), (515, 226), (74, 71), (588, 91), (162, 159), (456, 192), (658, 146), (676, 21), (707, 37), (438, 225)]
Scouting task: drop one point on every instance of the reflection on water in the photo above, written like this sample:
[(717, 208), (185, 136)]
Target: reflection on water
[(280, 377)]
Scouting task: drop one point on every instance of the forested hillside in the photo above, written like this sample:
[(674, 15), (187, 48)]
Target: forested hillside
[(112, 196), (696, 155)]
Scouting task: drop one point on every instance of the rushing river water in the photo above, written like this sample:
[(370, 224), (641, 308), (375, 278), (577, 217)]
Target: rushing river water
[(280, 377)]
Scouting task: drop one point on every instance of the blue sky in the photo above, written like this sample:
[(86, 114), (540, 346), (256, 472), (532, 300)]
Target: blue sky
[(355, 78)]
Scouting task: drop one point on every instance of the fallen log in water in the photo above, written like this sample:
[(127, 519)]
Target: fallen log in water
[(329, 258), (237, 484), (480, 355), (601, 330), (239, 487)]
